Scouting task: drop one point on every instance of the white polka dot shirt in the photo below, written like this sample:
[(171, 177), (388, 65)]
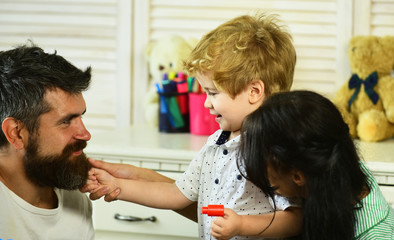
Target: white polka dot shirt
[(213, 178)]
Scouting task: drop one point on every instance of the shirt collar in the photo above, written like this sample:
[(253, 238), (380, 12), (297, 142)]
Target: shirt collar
[(373, 208), (221, 137)]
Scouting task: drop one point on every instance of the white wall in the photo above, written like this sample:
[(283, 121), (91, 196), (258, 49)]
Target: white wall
[(110, 35)]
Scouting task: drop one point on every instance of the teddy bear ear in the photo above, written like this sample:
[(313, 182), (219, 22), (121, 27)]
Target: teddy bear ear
[(148, 48), (388, 44), (356, 39)]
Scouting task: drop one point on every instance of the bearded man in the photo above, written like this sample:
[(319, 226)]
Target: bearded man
[(42, 137)]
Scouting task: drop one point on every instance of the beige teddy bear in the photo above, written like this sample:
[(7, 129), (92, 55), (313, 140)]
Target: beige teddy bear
[(164, 55), (366, 101)]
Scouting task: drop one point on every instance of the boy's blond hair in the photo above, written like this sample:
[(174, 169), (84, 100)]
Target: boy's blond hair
[(244, 49)]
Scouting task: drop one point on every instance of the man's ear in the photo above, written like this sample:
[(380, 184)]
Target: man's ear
[(13, 130), (298, 177), (256, 91)]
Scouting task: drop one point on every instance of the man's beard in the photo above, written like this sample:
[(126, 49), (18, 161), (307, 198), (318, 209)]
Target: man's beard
[(62, 171)]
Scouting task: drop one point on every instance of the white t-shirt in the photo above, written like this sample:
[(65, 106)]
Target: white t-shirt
[(71, 220), (213, 178)]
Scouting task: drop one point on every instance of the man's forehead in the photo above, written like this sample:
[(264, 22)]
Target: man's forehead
[(60, 100)]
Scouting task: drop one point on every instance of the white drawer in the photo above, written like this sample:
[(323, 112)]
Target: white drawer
[(167, 222), (388, 192)]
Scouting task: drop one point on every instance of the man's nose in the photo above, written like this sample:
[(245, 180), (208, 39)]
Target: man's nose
[(82, 132)]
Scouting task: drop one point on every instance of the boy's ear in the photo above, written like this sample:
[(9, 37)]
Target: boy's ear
[(14, 130), (298, 177), (256, 91)]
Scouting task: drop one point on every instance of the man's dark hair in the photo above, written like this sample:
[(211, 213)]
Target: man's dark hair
[(26, 74)]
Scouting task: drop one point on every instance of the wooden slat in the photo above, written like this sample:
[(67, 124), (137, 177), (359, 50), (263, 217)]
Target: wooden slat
[(383, 20), (314, 41), (314, 75), (225, 14), (383, 7), (316, 64), (250, 4), (59, 41), (327, 88), (321, 52), (66, 19), (83, 7), (73, 2)]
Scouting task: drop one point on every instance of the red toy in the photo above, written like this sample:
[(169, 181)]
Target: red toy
[(213, 210)]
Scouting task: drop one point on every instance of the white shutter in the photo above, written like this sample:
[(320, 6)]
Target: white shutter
[(85, 33), (374, 17)]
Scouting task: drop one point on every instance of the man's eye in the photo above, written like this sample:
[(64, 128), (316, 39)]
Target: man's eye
[(211, 93)]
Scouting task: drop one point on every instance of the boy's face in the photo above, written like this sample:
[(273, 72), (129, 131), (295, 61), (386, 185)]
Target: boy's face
[(229, 112)]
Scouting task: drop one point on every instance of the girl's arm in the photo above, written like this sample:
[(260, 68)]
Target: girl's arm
[(287, 223), (152, 194)]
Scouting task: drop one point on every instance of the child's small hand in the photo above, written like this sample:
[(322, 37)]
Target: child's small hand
[(91, 183), (100, 181), (227, 226)]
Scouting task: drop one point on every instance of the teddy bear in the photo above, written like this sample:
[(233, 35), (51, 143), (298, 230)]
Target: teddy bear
[(366, 100), (163, 56)]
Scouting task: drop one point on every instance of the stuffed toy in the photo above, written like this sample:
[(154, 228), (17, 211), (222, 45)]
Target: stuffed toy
[(366, 101), (164, 55)]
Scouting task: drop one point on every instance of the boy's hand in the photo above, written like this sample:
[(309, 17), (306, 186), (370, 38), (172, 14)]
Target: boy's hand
[(227, 226), (120, 170), (115, 169), (102, 183)]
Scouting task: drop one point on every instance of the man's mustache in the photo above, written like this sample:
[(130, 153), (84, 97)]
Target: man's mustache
[(79, 145)]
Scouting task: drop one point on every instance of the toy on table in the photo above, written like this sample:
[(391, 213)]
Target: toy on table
[(163, 55), (174, 106), (182, 105), (213, 210), (366, 101)]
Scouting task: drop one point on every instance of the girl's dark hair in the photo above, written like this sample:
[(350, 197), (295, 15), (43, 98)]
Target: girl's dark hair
[(303, 130), (26, 73)]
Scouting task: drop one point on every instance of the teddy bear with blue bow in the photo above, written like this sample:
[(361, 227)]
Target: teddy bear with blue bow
[(366, 101)]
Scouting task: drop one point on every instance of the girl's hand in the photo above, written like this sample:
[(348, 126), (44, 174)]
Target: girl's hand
[(227, 226)]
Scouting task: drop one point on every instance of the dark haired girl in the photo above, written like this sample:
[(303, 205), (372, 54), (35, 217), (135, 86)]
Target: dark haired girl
[(297, 145)]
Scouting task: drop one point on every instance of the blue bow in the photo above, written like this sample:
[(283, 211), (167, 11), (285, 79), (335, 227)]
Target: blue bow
[(369, 83)]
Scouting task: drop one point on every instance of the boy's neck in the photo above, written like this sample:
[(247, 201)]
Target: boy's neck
[(234, 134)]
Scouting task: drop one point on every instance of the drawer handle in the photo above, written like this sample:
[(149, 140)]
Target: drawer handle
[(133, 219)]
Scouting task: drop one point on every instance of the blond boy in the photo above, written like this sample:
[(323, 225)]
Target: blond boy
[(238, 65)]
